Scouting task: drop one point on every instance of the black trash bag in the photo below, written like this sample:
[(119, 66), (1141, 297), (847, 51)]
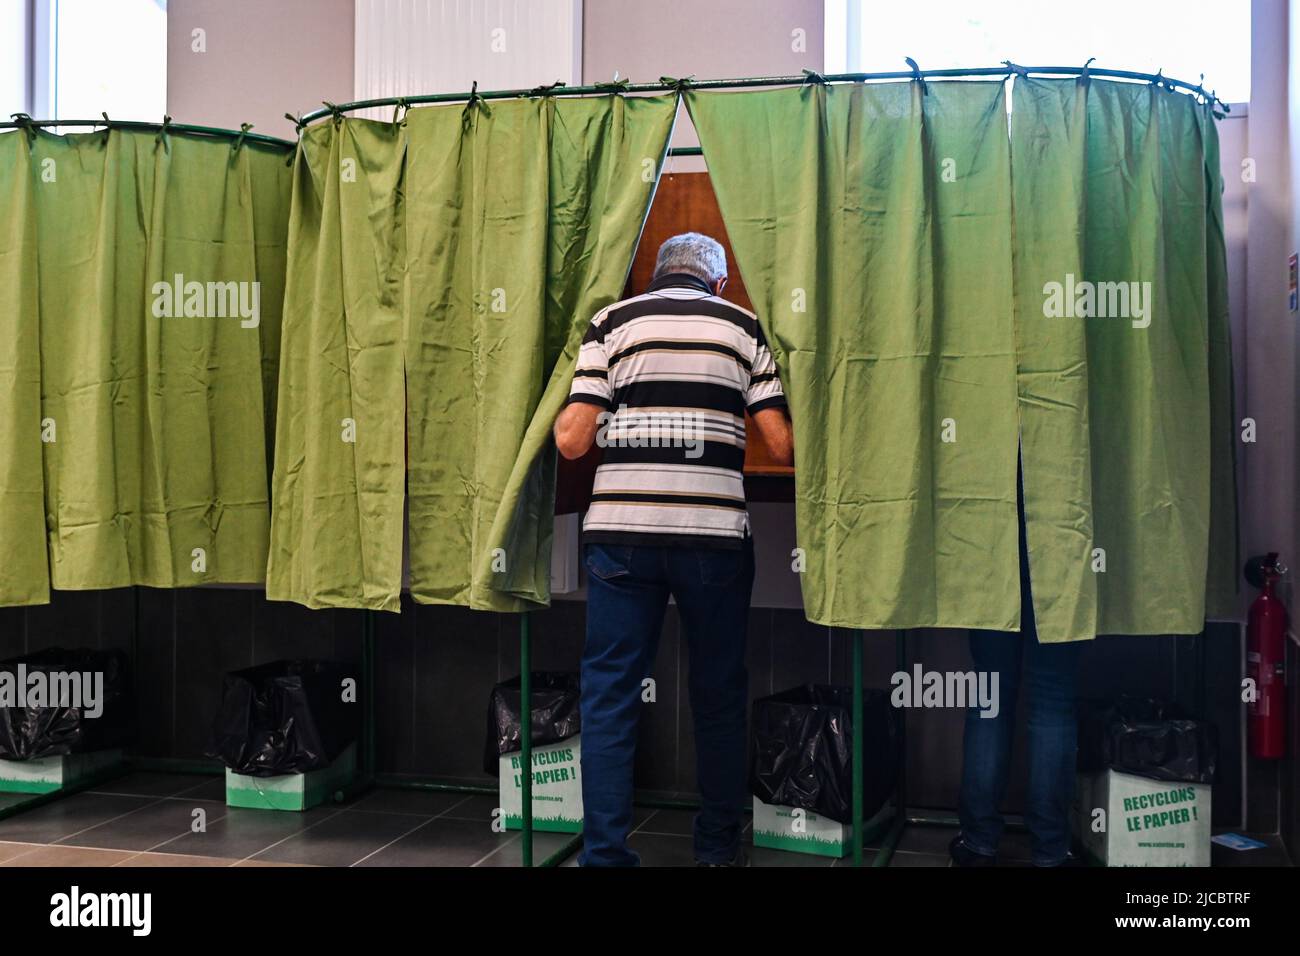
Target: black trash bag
[(27, 733), (1148, 738), (285, 717), (801, 752), (554, 710)]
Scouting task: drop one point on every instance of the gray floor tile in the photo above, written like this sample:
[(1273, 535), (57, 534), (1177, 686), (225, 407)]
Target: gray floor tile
[(477, 808), (933, 840), (763, 856), (63, 857), (205, 788), (544, 844), (424, 803), (443, 842), (342, 839), (145, 828), (146, 784), (67, 816), (243, 833), (666, 822), (659, 850), (14, 799)]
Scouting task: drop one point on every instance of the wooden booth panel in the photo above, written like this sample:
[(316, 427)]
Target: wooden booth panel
[(684, 202)]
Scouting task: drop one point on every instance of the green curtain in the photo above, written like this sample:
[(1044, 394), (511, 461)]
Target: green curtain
[(872, 224), (1223, 567), (1125, 418), (148, 315), (336, 530), (922, 252), (24, 572), (438, 269)]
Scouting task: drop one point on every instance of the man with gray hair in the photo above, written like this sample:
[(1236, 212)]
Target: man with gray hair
[(663, 383)]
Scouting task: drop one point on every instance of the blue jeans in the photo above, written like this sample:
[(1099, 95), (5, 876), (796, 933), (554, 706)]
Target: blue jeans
[(1049, 673), (627, 593)]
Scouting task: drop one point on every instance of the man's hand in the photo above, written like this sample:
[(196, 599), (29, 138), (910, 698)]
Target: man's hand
[(773, 426), (575, 429)]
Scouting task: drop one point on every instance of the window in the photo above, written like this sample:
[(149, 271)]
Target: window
[(109, 58), (14, 51), (76, 59), (1185, 40)]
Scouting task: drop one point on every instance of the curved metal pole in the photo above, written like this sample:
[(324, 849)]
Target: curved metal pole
[(214, 132), (607, 88), (750, 82)]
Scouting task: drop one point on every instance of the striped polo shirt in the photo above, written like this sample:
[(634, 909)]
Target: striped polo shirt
[(675, 370)]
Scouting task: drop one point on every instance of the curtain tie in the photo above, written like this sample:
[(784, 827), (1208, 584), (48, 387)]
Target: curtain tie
[(475, 101), (812, 76), (916, 75), (1214, 98), (297, 129), (400, 109), (679, 84), (1083, 74), (335, 112), (162, 136), (545, 89), (25, 123), (613, 86), (239, 140)]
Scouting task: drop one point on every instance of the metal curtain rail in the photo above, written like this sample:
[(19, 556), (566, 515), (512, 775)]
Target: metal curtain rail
[(669, 84), (665, 85), (213, 132)]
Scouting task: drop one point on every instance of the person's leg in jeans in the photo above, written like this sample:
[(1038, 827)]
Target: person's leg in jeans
[(986, 747), (986, 760), (1050, 677), (626, 596), (1050, 671), (712, 589)]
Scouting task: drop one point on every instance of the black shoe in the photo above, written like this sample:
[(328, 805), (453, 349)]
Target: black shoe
[(962, 855)]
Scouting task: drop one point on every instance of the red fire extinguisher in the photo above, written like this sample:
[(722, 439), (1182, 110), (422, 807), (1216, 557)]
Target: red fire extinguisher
[(1266, 661)]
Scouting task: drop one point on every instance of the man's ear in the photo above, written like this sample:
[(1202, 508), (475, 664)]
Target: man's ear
[(719, 286)]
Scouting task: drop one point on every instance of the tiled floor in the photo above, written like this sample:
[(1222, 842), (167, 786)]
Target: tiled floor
[(150, 819)]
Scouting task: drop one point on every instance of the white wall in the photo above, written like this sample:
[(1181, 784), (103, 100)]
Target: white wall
[(418, 46), (712, 39), (1266, 343), (263, 58)]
